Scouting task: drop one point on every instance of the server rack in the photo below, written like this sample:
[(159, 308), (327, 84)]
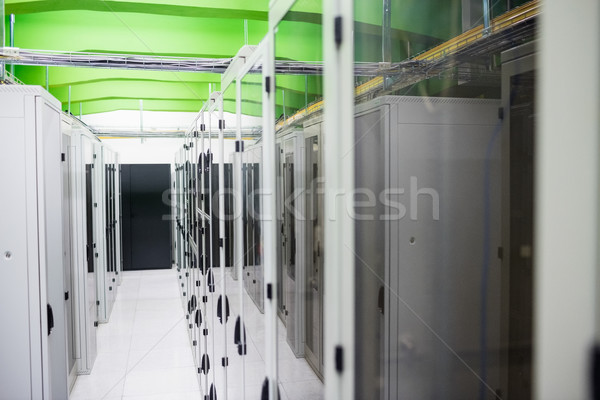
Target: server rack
[(32, 292), (313, 310), (427, 273), (292, 218)]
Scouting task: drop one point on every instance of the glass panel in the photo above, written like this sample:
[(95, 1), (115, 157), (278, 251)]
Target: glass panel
[(251, 332), (443, 289), (314, 252), (299, 94)]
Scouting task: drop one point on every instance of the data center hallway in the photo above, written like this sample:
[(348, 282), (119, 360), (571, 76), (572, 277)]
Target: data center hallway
[(144, 352)]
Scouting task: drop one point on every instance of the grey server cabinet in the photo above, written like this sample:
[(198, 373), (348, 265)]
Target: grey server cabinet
[(313, 299), (290, 186), (253, 237), (427, 220), (33, 350)]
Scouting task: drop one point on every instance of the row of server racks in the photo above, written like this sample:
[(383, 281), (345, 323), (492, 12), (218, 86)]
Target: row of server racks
[(443, 213), (61, 244)]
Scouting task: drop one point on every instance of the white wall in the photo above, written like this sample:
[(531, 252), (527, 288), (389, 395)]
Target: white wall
[(157, 150)]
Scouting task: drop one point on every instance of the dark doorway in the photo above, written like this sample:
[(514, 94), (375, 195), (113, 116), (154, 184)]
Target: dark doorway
[(146, 212)]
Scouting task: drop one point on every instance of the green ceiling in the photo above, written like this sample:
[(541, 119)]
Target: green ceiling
[(198, 28)]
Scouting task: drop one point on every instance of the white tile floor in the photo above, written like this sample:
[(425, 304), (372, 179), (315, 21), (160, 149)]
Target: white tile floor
[(144, 351)]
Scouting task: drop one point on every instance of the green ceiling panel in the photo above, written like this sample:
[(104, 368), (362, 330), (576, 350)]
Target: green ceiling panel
[(64, 76), (132, 33), (198, 9), (133, 90)]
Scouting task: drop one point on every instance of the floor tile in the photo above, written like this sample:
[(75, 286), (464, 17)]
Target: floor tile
[(145, 351)]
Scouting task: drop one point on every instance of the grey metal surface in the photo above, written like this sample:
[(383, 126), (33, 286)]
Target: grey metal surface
[(89, 270), (18, 256), (69, 262), (426, 247), (290, 238), (53, 213), (314, 250), (371, 252), (31, 262), (518, 86)]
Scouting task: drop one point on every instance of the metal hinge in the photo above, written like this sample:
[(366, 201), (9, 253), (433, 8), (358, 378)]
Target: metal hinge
[(338, 30), (239, 146), (339, 359), (63, 157), (221, 124), (269, 291), (268, 84)]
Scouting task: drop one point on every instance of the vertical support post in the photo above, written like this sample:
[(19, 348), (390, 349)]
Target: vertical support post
[(80, 110), (246, 32), (338, 53), (566, 215), (141, 115), (2, 38), (486, 16), (47, 78), (269, 219), (306, 91), (205, 196), (142, 119), (69, 101), (221, 199), (386, 32), (239, 209), (283, 101), (12, 38)]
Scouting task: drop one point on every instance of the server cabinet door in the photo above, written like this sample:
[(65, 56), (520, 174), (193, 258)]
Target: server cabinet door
[(258, 236), (22, 376), (313, 286), (280, 235), (51, 211), (69, 263), (90, 268), (372, 254), (289, 218), (289, 234)]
